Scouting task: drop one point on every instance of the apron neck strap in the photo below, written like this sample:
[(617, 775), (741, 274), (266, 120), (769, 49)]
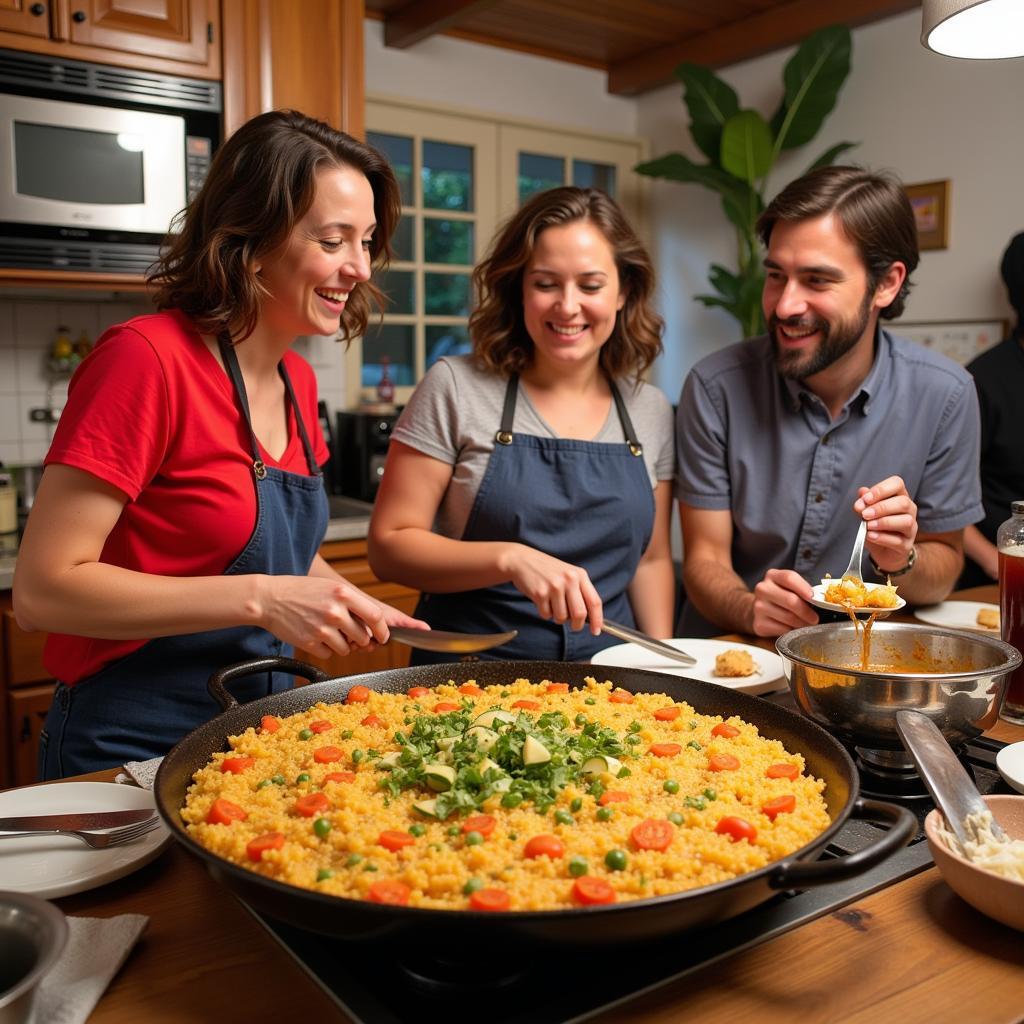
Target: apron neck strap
[(234, 371), (508, 415)]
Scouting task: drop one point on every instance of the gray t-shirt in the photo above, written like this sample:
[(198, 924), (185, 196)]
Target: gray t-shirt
[(455, 412), (766, 448)]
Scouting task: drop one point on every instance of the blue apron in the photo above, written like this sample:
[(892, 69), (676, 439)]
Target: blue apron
[(141, 705), (584, 502)]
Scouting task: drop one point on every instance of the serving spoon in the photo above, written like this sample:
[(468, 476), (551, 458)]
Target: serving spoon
[(450, 643)]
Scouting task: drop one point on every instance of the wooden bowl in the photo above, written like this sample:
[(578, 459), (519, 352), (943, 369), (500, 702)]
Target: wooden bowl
[(995, 896)]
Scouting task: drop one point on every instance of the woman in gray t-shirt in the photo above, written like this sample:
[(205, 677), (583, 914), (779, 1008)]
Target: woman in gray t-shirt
[(528, 486)]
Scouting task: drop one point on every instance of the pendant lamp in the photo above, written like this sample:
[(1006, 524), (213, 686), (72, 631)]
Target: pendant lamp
[(975, 29)]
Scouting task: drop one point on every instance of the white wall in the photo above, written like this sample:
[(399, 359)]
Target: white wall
[(463, 74), (923, 116)]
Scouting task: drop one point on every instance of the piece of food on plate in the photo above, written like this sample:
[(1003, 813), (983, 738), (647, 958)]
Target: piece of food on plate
[(735, 662), (988, 617), (852, 593)]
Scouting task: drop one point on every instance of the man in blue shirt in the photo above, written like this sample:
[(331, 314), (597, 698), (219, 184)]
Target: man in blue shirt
[(788, 441)]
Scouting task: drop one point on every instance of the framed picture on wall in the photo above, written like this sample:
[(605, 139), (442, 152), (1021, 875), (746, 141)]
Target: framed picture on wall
[(930, 202), (961, 340)]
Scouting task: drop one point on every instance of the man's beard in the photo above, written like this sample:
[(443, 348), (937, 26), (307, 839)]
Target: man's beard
[(835, 342)]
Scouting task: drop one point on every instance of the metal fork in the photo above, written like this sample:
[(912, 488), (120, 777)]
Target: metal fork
[(97, 840)]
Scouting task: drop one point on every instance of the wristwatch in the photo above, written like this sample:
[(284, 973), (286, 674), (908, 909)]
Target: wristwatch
[(911, 559)]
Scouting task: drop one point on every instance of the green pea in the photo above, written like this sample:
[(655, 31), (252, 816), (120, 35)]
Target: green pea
[(347, 734), (670, 786), (635, 727), (512, 799), (278, 780), (263, 784), (471, 886), (563, 817), (604, 814), (322, 827), (577, 866), (453, 830), (357, 756), (698, 803), (695, 745), (505, 693), (370, 867), (416, 830), (474, 838), (589, 700), (675, 817), (634, 740), (513, 835), (710, 794), (353, 860), (615, 860), (581, 719), (303, 777), (323, 874), (576, 804), (305, 734)]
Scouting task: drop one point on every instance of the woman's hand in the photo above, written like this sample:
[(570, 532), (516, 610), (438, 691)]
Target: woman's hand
[(321, 616), (394, 617), (561, 591)]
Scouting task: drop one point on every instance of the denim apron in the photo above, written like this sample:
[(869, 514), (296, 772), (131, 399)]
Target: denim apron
[(584, 502), (141, 705)]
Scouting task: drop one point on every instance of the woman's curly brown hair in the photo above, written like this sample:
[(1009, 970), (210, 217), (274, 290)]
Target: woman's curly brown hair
[(261, 183), (501, 343)]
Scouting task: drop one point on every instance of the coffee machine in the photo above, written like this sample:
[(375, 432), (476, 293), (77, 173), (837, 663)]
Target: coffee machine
[(362, 446)]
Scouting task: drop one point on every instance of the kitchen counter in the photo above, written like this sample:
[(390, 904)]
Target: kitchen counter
[(912, 951)]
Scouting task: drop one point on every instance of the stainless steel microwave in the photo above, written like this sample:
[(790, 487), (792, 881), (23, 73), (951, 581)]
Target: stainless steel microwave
[(96, 161)]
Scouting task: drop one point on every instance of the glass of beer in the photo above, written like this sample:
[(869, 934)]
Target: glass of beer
[(1010, 543)]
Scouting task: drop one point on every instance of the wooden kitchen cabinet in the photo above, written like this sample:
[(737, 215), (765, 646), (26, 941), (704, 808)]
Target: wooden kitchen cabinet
[(26, 687), (172, 36)]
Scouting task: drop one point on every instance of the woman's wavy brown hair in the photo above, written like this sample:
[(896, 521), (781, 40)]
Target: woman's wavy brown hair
[(501, 343), (261, 183)]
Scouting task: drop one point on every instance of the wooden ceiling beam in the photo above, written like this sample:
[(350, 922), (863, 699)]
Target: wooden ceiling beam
[(423, 18), (753, 36)]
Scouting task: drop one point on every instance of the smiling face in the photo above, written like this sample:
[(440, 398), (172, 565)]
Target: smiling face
[(571, 294), (326, 255), (817, 299)]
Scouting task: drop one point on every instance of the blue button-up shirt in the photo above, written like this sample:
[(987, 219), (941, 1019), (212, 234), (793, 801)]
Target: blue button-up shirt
[(766, 448)]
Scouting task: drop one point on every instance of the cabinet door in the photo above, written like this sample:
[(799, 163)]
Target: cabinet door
[(23, 652), (27, 712), (26, 17), (171, 29)]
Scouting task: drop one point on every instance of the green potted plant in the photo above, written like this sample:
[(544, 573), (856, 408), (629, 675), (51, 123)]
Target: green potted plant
[(742, 148)]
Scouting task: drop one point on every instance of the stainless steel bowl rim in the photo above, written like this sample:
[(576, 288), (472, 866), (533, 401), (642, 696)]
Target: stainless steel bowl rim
[(54, 920), (784, 645)]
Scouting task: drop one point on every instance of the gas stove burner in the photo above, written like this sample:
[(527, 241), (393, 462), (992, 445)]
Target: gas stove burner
[(436, 976), (892, 774), (894, 764)]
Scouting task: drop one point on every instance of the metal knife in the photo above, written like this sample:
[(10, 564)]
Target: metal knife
[(98, 819), (657, 646), (452, 643)]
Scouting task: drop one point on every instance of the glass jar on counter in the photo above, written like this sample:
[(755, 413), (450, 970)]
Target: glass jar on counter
[(1010, 545)]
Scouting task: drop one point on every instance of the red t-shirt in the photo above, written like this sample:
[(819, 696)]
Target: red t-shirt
[(152, 412)]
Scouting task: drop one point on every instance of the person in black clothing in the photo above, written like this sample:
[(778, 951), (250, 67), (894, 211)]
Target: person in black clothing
[(999, 376)]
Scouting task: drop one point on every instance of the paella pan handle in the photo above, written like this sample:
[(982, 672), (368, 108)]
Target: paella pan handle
[(804, 874), (219, 680)]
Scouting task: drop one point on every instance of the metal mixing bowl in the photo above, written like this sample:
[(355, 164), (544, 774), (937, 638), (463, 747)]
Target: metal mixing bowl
[(955, 678), (32, 935)]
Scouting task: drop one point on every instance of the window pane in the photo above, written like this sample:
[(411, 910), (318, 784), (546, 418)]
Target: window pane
[(400, 288), (446, 294), (447, 241), (398, 150), (447, 176), (446, 341), (402, 239), (398, 343), (538, 172), (591, 175)]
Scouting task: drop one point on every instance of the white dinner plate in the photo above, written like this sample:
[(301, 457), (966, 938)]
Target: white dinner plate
[(51, 866), (769, 677), (956, 615), (819, 601), (1010, 762)]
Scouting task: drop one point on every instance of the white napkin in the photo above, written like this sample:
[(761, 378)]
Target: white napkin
[(95, 951), (142, 773)]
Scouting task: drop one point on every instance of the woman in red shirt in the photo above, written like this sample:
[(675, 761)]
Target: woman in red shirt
[(176, 528)]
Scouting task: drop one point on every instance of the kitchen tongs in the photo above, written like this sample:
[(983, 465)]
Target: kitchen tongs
[(657, 646)]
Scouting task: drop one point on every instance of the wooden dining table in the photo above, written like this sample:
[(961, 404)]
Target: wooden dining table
[(913, 951)]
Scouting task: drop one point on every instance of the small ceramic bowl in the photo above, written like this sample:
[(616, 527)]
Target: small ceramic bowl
[(995, 896), (1010, 762), (32, 935)]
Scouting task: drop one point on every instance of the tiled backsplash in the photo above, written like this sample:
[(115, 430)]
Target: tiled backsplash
[(28, 328)]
